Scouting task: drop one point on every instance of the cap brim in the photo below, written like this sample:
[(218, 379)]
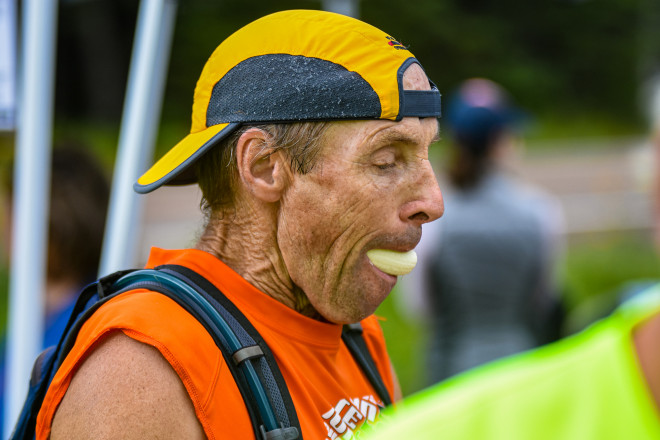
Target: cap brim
[(174, 167)]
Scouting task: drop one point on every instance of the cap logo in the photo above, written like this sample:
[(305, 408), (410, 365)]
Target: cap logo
[(395, 44)]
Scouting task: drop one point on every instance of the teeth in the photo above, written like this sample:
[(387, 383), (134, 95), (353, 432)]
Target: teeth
[(392, 262)]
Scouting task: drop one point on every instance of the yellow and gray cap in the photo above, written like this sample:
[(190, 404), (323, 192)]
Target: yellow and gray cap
[(294, 66)]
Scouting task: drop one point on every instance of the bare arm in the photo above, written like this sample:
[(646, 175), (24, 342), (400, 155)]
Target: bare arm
[(126, 389), (646, 338)]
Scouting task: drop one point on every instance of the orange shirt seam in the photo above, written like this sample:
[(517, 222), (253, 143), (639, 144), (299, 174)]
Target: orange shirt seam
[(219, 363)]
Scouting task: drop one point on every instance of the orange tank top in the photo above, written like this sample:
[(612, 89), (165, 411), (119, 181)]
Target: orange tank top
[(331, 395)]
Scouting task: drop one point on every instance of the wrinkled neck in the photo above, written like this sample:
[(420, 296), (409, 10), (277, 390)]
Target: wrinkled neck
[(246, 241)]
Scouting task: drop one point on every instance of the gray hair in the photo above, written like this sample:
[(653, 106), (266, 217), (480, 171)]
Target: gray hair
[(217, 171)]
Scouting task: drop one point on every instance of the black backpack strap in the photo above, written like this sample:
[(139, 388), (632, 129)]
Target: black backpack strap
[(352, 336), (246, 354), (89, 300)]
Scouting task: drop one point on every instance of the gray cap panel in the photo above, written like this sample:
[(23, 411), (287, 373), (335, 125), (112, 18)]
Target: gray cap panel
[(281, 87)]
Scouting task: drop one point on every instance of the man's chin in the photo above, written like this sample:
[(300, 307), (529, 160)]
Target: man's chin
[(372, 299), (349, 315), (358, 297)]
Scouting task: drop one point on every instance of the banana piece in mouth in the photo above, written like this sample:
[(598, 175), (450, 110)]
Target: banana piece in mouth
[(393, 262)]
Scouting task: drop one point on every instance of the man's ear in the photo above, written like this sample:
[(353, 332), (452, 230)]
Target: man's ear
[(261, 170)]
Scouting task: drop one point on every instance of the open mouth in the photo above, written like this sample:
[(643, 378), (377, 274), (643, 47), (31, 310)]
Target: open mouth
[(393, 262)]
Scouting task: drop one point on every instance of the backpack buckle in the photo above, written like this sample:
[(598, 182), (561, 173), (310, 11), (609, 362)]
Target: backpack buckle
[(290, 433)]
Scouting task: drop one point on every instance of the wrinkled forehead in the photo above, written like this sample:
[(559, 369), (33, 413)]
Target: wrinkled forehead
[(357, 138)]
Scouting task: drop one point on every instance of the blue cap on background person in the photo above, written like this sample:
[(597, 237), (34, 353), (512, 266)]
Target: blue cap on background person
[(477, 113)]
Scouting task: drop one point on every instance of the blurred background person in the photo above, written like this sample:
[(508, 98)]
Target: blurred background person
[(486, 276), (78, 206)]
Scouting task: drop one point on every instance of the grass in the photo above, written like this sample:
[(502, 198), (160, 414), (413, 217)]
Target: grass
[(406, 343), (601, 268)]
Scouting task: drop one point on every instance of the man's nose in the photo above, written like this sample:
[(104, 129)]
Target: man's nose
[(427, 205)]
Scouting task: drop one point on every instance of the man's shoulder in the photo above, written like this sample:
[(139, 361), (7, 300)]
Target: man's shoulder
[(130, 357), (154, 319), (115, 390), (146, 312)]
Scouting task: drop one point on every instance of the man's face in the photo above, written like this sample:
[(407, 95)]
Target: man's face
[(372, 188)]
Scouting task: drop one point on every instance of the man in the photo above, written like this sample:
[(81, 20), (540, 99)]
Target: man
[(602, 383), (309, 224)]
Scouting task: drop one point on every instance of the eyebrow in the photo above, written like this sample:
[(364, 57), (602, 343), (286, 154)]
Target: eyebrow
[(393, 137)]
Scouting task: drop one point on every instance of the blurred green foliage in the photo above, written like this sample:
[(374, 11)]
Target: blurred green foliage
[(602, 269), (406, 342), (556, 57)]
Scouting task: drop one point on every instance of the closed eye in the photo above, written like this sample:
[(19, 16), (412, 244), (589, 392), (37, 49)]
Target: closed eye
[(385, 166)]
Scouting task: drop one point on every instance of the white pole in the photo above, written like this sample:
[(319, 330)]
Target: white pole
[(7, 65), (31, 198), (139, 124)]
